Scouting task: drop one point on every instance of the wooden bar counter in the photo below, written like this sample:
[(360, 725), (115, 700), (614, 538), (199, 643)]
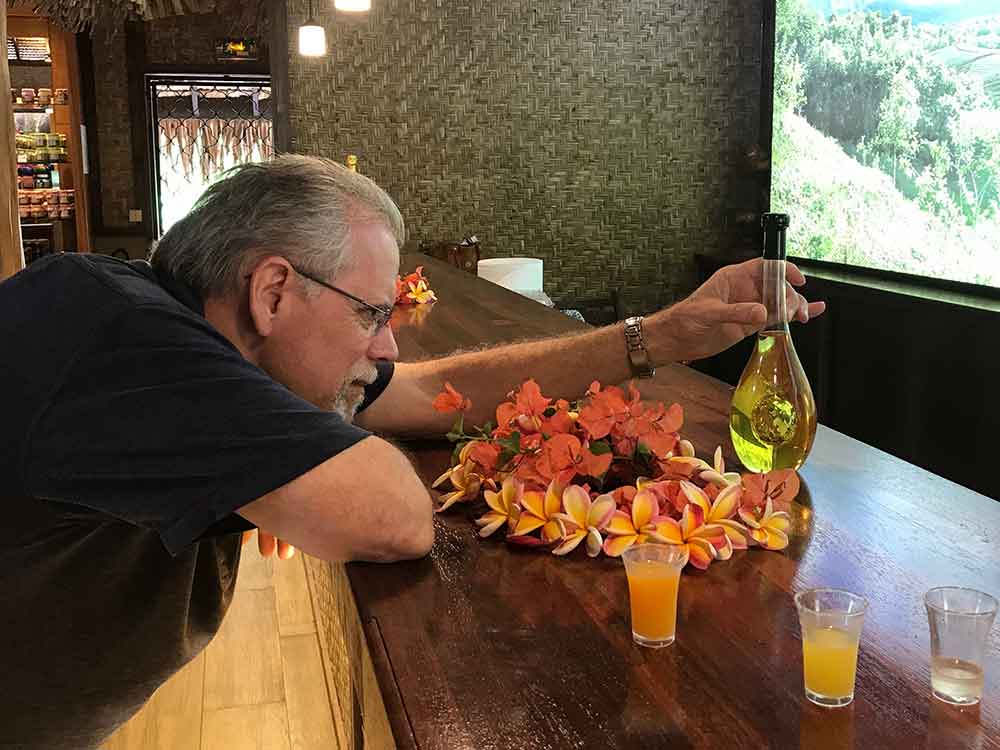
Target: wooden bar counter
[(482, 646)]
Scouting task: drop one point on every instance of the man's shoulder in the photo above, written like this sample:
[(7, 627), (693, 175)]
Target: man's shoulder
[(132, 282)]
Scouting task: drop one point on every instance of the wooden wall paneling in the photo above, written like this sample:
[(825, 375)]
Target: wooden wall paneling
[(11, 253)]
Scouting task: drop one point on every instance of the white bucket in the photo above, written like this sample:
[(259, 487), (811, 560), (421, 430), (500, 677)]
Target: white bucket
[(517, 274)]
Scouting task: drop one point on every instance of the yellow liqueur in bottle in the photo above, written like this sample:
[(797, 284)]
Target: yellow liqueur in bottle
[(772, 421)]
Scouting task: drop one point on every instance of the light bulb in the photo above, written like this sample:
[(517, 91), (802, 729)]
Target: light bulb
[(312, 40), (353, 6)]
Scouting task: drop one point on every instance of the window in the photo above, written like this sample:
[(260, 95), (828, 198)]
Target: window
[(886, 134), (202, 127)]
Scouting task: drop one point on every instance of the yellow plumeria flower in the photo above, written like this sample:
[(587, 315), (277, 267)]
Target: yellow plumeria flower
[(539, 511), (718, 475), (720, 513), (770, 531), (584, 519), (504, 507)]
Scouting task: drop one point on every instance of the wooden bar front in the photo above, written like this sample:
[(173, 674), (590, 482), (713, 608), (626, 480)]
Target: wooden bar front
[(481, 645)]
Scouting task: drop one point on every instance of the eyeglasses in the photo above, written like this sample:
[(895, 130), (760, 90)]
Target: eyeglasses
[(378, 316)]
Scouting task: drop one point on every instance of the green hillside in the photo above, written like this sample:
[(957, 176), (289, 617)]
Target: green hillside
[(981, 62), (844, 212)]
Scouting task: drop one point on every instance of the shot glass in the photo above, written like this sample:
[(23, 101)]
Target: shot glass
[(654, 572), (960, 621), (831, 622)]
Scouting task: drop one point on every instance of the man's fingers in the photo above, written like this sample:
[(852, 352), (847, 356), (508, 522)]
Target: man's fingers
[(816, 309), (266, 543), (752, 314), (793, 275), (285, 550)]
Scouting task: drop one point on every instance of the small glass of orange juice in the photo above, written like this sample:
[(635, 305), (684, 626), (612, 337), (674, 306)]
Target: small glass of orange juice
[(654, 572), (831, 622)]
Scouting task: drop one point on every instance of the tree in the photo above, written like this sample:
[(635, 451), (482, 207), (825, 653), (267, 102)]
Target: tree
[(899, 113)]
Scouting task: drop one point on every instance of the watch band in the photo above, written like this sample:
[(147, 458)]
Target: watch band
[(638, 357)]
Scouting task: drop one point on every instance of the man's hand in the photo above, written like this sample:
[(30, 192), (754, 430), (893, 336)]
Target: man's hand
[(724, 310), (268, 544)]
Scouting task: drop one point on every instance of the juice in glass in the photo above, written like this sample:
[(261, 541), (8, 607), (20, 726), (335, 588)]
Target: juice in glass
[(831, 621), (830, 660), (654, 572)]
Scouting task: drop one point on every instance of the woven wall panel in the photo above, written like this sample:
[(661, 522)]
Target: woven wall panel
[(595, 135), (114, 136)]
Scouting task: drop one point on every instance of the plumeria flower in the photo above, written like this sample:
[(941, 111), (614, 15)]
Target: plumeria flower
[(718, 475), (720, 513), (584, 519), (539, 511), (643, 524), (770, 530), (703, 541), (504, 507), (419, 293), (466, 483)]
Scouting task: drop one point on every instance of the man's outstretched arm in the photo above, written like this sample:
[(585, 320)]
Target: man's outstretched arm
[(724, 310)]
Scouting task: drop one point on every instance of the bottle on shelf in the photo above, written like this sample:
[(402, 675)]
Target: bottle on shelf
[(352, 162)]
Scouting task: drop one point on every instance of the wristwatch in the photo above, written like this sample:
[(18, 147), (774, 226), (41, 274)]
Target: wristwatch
[(637, 354)]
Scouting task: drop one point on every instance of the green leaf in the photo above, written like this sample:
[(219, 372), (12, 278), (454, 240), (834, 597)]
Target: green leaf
[(455, 453), (600, 447), (511, 443)]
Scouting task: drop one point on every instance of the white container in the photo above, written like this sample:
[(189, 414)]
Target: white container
[(516, 274)]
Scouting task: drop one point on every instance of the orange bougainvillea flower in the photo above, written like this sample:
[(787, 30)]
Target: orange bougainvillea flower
[(720, 513), (768, 529), (583, 519), (564, 456), (504, 507), (539, 511), (524, 410), (451, 400), (780, 487), (643, 523), (702, 541)]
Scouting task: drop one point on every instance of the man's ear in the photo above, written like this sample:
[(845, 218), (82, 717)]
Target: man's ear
[(270, 288)]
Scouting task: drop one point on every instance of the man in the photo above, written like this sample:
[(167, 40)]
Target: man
[(151, 413)]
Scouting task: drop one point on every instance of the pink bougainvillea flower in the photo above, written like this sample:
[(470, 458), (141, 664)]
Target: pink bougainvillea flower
[(718, 475), (505, 507), (768, 529), (539, 510), (720, 512), (449, 400), (780, 487), (702, 541), (584, 519), (682, 467), (643, 523)]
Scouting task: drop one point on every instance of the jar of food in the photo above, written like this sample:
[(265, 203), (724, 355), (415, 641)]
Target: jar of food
[(52, 140), (61, 96), (39, 140), (65, 212), (55, 196), (28, 96), (23, 198), (44, 97), (68, 197), (39, 212), (26, 182), (24, 212), (37, 197)]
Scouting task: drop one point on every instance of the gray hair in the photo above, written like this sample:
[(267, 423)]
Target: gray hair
[(300, 207)]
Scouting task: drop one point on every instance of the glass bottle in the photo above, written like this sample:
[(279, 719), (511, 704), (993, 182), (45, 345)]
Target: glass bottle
[(352, 162), (772, 421)]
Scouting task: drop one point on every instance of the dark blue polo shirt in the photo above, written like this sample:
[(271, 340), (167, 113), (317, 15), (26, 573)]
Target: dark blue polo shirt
[(130, 432)]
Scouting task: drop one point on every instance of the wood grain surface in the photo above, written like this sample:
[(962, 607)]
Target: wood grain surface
[(482, 645)]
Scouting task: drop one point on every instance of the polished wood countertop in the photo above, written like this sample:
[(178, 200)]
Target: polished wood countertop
[(482, 646)]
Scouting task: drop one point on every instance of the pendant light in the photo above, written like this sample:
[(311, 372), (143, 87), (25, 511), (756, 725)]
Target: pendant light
[(353, 6), (312, 37)]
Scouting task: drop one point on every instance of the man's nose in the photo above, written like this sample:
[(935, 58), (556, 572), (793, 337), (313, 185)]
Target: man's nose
[(383, 345)]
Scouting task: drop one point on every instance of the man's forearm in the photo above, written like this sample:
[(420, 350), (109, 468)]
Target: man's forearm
[(563, 367)]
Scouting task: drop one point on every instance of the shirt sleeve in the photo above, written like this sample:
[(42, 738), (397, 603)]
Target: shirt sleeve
[(160, 422)]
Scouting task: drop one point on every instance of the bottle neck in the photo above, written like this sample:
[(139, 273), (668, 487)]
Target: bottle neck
[(774, 295)]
